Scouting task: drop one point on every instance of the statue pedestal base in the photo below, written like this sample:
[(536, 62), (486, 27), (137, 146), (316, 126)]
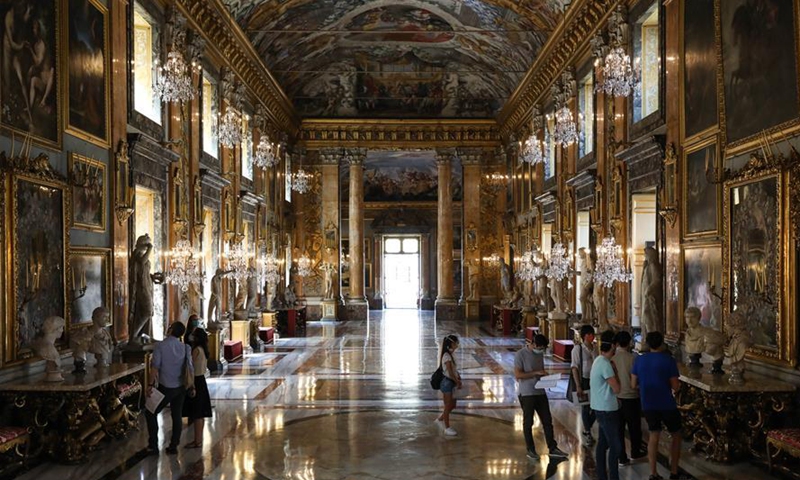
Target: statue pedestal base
[(544, 327), (216, 362), (557, 326), (240, 330), (472, 309), (447, 309), (330, 309), (529, 318)]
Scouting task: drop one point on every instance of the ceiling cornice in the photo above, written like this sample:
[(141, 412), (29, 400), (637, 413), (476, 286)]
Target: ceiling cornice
[(583, 19), (395, 134), (212, 20)]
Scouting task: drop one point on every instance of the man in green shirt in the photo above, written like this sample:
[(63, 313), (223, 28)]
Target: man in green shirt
[(604, 387)]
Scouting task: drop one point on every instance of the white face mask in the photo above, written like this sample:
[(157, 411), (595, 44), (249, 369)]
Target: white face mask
[(540, 351)]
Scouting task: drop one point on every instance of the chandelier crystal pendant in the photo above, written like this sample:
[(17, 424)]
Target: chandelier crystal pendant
[(301, 181), (230, 128), (270, 269), (529, 268), (619, 77), (174, 79), (532, 150), (304, 266), (266, 154), (239, 263), (610, 268), (185, 267), (566, 130), (559, 267)]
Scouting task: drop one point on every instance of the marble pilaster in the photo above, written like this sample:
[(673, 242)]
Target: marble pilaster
[(356, 302), (446, 305), (425, 301), (470, 251), (329, 159)]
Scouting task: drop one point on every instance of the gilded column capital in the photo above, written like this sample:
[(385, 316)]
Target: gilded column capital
[(355, 156), (470, 156), (330, 156), (444, 156)]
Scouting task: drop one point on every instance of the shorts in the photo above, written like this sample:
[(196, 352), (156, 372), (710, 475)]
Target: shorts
[(656, 419), (447, 385)]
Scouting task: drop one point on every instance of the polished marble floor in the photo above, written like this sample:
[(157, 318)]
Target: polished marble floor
[(352, 401)]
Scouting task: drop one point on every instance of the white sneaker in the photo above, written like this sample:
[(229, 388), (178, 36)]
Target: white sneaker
[(450, 432)]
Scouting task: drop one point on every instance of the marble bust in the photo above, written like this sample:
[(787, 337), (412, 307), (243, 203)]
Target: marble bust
[(44, 346), (700, 339), (102, 343), (79, 342), (739, 341)]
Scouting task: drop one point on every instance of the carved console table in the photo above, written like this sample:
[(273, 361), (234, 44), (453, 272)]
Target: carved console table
[(728, 422), (69, 419)]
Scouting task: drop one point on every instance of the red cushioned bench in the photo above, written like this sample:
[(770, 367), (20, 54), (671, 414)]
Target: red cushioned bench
[(232, 350), (783, 440)]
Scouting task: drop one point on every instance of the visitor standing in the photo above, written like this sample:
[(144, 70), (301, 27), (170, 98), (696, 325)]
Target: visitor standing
[(166, 368), (450, 382), (630, 408), (656, 375), (604, 387), (197, 407), (528, 369), (581, 366)]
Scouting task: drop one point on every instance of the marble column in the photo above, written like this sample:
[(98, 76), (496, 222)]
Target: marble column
[(329, 158), (446, 305), (470, 252), (356, 302), (425, 301)]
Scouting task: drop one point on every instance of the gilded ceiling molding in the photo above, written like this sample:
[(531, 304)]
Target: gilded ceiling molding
[(585, 17), (393, 134), (212, 20)]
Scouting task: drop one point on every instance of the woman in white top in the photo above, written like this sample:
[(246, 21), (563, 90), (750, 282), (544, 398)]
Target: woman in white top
[(450, 382), (197, 407)]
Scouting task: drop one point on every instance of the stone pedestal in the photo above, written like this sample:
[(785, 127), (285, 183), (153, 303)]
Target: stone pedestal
[(240, 330), (354, 310), (557, 326), (544, 327), (448, 310), (216, 362), (529, 318), (472, 309), (330, 309)]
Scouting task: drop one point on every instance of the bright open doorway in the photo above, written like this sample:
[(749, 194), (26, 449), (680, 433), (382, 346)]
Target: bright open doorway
[(401, 272)]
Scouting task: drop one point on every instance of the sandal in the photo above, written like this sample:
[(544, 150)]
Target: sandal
[(193, 445)]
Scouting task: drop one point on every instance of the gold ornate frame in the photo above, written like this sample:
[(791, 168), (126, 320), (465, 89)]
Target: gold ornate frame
[(684, 187), (75, 159), (103, 142), (682, 300), (758, 170), (104, 253)]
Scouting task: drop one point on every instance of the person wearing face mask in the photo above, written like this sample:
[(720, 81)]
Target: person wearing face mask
[(528, 369)]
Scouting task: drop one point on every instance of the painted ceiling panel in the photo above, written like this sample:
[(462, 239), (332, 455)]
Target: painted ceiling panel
[(378, 58)]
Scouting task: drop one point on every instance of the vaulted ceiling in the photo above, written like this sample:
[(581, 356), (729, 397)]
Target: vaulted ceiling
[(379, 58)]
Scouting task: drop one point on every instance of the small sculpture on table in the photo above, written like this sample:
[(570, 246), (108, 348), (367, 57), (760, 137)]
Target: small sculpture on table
[(79, 342), (700, 339), (44, 345), (102, 342), (739, 341)]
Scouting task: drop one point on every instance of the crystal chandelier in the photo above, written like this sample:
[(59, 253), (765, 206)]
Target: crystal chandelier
[(239, 263), (529, 268), (184, 267), (174, 79), (270, 269), (559, 268), (230, 128), (609, 267), (619, 78), (266, 154), (304, 266), (566, 131), (301, 181), (532, 150)]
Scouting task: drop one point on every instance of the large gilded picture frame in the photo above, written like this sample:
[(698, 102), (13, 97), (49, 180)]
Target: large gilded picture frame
[(38, 238), (700, 197), (89, 282), (758, 259)]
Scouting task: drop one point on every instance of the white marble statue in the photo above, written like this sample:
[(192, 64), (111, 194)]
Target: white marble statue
[(141, 307), (557, 295), (329, 272), (215, 301), (505, 281), (739, 340), (586, 287), (102, 342), (252, 291), (652, 295), (44, 346), (543, 289), (474, 280), (700, 339)]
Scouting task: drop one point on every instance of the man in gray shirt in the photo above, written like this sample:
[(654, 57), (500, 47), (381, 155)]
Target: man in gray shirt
[(528, 369)]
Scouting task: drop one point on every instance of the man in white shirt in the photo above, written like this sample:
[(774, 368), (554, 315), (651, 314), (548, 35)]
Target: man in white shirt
[(583, 356), (630, 407)]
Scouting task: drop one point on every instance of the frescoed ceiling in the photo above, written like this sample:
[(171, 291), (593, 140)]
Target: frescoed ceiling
[(377, 58)]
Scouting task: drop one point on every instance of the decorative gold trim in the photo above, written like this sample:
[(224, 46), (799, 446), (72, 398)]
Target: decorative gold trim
[(684, 187), (72, 130), (73, 159)]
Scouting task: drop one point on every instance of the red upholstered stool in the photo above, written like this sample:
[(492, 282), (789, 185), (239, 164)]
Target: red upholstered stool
[(14, 447), (562, 349), (786, 440), (530, 332), (266, 334), (13, 437), (232, 350)]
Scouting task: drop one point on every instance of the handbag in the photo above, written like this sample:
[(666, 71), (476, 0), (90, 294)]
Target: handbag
[(436, 378)]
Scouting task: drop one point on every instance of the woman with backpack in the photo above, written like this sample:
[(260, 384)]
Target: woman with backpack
[(450, 382)]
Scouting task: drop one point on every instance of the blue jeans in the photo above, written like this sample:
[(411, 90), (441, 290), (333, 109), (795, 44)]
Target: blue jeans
[(447, 385), (608, 443)]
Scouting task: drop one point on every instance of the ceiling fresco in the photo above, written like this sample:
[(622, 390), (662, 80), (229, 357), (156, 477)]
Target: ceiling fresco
[(376, 58)]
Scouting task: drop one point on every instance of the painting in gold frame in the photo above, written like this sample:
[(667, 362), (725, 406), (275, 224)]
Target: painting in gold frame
[(702, 283), (700, 196), (89, 186), (87, 73), (39, 241), (89, 282), (698, 87), (39, 117), (758, 260)]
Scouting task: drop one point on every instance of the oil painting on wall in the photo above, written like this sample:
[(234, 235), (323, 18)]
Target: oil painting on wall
[(702, 283), (755, 256), (700, 205), (88, 192), (29, 83), (760, 80), (405, 176), (39, 253), (88, 281), (87, 53), (699, 67)]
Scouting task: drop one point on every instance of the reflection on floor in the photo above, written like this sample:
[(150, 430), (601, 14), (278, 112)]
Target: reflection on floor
[(352, 401)]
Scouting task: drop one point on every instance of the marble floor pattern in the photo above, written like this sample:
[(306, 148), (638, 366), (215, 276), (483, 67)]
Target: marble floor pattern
[(352, 401)]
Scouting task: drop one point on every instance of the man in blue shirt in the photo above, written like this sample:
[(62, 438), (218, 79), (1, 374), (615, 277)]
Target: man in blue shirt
[(656, 375), (166, 369), (604, 387)]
